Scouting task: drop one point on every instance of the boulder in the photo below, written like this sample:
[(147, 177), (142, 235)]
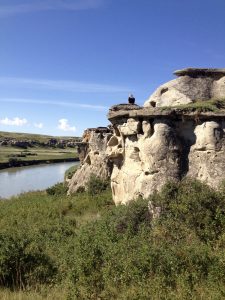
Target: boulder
[(191, 85)]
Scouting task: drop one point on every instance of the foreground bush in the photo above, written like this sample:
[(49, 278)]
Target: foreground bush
[(180, 256), (22, 265), (94, 250), (57, 189)]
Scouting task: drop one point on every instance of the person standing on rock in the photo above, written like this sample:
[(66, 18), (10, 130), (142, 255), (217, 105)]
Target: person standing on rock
[(131, 99)]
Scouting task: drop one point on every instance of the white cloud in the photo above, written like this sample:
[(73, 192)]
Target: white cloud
[(62, 85), (13, 122), (38, 125), (64, 125), (47, 5)]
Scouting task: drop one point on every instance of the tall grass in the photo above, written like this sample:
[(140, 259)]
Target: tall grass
[(83, 247)]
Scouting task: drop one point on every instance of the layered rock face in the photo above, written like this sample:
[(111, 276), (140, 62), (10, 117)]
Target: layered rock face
[(92, 154), (190, 86), (151, 145)]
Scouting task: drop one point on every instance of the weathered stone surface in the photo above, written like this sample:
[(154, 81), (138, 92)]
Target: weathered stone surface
[(191, 85), (165, 149), (130, 127), (124, 107), (207, 155), (95, 161), (151, 145), (143, 161)]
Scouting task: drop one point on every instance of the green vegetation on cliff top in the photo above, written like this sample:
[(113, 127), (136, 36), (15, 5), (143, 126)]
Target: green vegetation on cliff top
[(211, 105), (83, 247)]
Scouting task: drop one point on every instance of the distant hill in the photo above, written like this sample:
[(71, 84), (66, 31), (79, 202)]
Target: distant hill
[(36, 137), (24, 140), (19, 149)]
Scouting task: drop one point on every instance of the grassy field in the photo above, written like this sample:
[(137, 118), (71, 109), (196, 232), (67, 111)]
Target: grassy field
[(17, 156), (35, 153), (54, 246), (36, 137)]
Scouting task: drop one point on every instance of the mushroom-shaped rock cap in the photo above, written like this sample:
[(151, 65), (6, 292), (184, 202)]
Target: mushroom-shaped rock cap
[(191, 85), (200, 72)]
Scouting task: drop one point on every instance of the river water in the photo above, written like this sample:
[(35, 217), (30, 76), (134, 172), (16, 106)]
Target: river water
[(14, 181)]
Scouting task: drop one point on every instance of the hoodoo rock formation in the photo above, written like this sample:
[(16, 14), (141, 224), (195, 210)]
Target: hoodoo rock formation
[(92, 155), (179, 132), (191, 85)]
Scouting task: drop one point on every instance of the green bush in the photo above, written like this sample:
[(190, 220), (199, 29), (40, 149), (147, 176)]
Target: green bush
[(57, 189), (22, 265), (195, 204), (91, 249), (96, 185), (124, 256), (14, 161), (71, 171)]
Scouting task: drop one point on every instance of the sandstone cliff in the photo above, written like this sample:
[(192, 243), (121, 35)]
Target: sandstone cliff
[(152, 144), (92, 154), (191, 85), (179, 132)]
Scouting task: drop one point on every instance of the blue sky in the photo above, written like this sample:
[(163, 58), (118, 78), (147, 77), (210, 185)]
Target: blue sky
[(63, 63)]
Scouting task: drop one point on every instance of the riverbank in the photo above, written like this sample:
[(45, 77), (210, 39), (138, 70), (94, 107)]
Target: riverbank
[(14, 181), (25, 163), (18, 157)]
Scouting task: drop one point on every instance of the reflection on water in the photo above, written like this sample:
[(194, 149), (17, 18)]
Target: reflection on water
[(14, 181)]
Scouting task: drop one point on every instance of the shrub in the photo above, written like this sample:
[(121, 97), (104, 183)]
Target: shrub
[(95, 250), (123, 256), (96, 185), (71, 171), (22, 266), (195, 204), (14, 161), (57, 189)]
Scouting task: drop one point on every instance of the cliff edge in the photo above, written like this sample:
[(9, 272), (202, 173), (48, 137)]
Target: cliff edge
[(178, 133), (92, 155)]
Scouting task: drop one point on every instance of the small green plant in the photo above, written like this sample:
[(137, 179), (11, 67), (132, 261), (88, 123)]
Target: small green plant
[(71, 171), (14, 161), (21, 265), (96, 185), (57, 189)]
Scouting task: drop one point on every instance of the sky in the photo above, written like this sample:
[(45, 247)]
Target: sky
[(63, 63)]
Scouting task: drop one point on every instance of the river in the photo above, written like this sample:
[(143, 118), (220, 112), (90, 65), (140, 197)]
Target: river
[(14, 181)]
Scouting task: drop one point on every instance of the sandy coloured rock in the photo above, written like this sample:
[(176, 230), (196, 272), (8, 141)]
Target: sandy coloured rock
[(151, 145), (190, 86), (92, 153)]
